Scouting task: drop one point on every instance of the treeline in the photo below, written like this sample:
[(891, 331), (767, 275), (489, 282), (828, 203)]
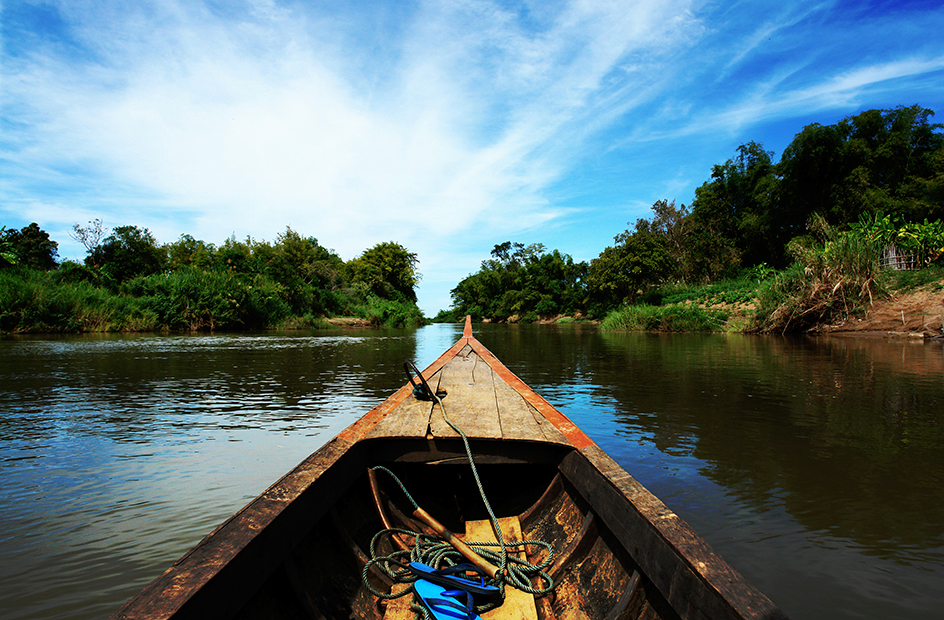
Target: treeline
[(130, 281), (753, 213), (523, 282)]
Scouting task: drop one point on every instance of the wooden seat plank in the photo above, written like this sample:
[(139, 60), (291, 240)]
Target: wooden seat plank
[(518, 605)]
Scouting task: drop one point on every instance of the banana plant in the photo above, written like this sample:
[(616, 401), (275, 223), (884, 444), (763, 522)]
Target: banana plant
[(7, 252)]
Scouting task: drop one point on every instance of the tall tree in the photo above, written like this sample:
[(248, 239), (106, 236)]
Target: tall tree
[(875, 161), (188, 251), (741, 203), (308, 272), (524, 281), (638, 260), (127, 253), (89, 236), (388, 269), (32, 247)]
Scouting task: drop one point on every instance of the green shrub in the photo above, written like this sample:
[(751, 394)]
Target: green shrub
[(34, 301), (192, 299), (189, 298), (665, 319), (389, 313), (835, 278)]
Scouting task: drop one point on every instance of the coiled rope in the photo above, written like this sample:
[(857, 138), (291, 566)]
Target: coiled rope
[(436, 552)]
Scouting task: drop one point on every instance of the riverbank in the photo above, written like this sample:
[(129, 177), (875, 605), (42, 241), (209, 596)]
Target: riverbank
[(905, 304), (916, 312), (347, 321), (186, 300)]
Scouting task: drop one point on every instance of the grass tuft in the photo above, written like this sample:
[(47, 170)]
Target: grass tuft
[(674, 318)]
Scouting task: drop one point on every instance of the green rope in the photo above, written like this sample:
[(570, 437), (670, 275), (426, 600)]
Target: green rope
[(435, 552), (503, 567)]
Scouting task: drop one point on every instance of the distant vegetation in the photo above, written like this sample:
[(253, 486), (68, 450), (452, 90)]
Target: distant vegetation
[(803, 237), (799, 240), (520, 283), (130, 282)]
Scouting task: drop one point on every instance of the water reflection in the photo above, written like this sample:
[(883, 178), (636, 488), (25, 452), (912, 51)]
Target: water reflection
[(118, 453), (126, 389), (815, 466), (847, 435), (799, 459)]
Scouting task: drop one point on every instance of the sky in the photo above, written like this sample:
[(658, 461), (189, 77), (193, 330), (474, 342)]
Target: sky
[(446, 126)]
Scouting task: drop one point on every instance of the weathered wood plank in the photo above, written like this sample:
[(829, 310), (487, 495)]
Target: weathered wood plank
[(409, 419), (400, 608), (551, 432), (360, 428), (695, 580), (516, 415), (518, 605), (567, 429), (630, 604), (470, 400)]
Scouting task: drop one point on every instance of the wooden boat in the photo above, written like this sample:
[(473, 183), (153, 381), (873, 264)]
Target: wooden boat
[(299, 549)]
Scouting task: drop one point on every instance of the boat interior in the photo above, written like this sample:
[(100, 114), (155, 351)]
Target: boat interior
[(322, 575)]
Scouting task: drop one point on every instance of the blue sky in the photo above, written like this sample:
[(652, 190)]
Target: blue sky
[(447, 126)]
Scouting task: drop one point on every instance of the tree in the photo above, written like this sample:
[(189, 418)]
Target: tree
[(622, 271), (89, 236), (388, 269), (127, 253), (236, 255), (301, 258), (524, 281), (190, 252), (7, 252), (32, 247), (556, 283), (308, 272), (741, 203), (675, 225), (697, 252), (889, 161)]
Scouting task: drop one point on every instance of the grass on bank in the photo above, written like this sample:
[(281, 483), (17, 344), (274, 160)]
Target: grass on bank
[(820, 289), (904, 281), (191, 299), (719, 306), (672, 318)]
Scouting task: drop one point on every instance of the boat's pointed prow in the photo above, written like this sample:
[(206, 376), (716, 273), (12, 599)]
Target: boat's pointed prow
[(467, 332)]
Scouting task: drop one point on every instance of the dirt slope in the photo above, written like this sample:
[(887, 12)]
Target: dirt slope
[(920, 311)]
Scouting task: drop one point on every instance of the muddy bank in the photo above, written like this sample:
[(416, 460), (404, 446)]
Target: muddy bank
[(916, 313), (348, 322)]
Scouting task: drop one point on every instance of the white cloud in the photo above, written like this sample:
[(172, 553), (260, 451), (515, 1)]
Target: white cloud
[(249, 121)]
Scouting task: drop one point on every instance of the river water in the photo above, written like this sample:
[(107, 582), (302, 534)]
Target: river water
[(814, 466)]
